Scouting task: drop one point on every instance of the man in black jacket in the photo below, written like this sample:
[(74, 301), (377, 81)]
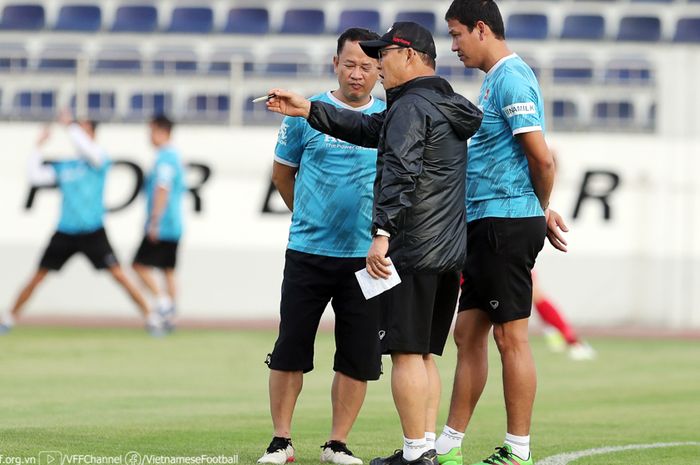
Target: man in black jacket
[(419, 215)]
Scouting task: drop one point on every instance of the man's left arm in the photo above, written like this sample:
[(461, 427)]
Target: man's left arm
[(541, 164), (165, 174)]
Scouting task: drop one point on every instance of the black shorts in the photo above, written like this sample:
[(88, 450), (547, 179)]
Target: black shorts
[(417, 314), (94, 245), (161, 254), (310, 282), (501, 253)]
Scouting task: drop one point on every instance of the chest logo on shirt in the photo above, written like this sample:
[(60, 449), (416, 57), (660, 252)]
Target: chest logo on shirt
[(330, 142), (524, 108), (486, 94), (282, 135)]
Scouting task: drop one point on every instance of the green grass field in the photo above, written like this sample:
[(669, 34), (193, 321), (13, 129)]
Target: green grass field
[(110, 391)]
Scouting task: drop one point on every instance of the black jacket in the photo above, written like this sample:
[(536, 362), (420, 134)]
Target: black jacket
[(419, 191)]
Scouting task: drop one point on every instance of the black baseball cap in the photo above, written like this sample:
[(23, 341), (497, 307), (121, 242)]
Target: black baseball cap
[(403, 34)]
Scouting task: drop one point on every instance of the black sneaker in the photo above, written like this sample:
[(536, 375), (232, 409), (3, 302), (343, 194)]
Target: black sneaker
[(337, 452), (279, 452), (428, 458)]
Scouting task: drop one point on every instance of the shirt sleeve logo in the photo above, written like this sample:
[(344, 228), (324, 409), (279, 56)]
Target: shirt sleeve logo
[(282, 136), (525, 108)]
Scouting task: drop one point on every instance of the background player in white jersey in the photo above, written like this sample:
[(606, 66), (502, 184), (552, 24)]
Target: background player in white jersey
[(81, 225), (510, 175), (165, 186), (327, 183)]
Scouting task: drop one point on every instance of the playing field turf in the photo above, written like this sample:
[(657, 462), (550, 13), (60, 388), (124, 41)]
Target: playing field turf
[(110, 391)]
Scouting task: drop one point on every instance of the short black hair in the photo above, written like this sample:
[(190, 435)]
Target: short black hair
[(355, 34), (468, 12), (163, 122)]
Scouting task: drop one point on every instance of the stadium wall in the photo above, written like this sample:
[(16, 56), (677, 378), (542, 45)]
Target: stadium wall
[(630, 200)]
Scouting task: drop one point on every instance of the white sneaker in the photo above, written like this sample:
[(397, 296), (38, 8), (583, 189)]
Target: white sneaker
[(581, 351), (554, 340), (337, 452), (280, 451)]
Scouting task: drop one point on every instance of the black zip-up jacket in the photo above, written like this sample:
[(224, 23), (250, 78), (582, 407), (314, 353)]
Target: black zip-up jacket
[(419, 191)]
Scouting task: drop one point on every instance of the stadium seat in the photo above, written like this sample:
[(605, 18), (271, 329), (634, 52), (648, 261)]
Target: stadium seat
[(583, 27), (528, 26), (579, 70), (303, 21), (145, 105), (288, 62), (118, 59), (455, 71), (653, 1), (81, 18), (640, 28), (13, 58), (257, 114), (368, 19), (23, 17), (197, 20), (628, 71), (564, 109), (619, 112), (208, 107), (175, 60), (220, 60), (100, 105), (424, 18), (687, 30), (59, 59), (34, 104), (248, 21), (135, 18)]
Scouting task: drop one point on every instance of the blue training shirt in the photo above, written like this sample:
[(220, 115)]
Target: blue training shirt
[(82, 188), (169, 173), (498, 178), (333, 189)]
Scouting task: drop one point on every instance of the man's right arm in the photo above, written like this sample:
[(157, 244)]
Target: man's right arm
[(351, 126), (40, 174), (284, 177)]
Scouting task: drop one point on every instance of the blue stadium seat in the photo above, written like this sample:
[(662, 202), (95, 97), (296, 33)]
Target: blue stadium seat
[(175, 60), (529, 26), (59, 58), (248, 21), (135, 18), (118, 60), (640, 28), (23, 17), (208, 107), (303, 21), (34, 104), (368, 19), (564, 109), (579, 70), (628, 71), (100, 105), (583, 27), (607, 112), (220, 60), (190, 20), (13, 58), (687, 30), (653, 1), (455, 71), (81, 18), (144, 105), (254, 113), (424, 18), (287, 62)]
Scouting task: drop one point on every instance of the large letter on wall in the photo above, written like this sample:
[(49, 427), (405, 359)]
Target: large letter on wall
[(590, 189)]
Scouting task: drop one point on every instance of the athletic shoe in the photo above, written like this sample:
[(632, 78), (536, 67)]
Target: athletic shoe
[(453, 457), (505, 456), (167, 315), (280, 451), (4, 329), (338, 452), (581, 351), (428, 458)]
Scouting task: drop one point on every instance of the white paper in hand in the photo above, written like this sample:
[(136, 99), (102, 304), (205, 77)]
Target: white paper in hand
[(372, 287)]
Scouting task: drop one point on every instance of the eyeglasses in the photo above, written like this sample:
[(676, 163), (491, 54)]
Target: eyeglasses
[(383, 51)]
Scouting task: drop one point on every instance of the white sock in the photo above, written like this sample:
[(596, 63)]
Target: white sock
[(520, 445), (154, 319), (448, 440), (414, 448), (7, 319), (430, 439)]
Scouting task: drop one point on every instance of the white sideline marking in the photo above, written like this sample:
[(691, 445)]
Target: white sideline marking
[(568, 457)]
